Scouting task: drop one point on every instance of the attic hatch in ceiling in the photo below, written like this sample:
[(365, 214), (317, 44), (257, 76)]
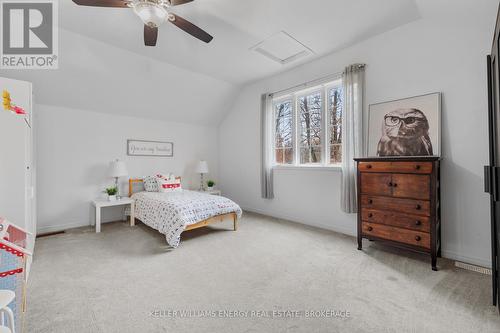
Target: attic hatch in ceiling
[(282, 48)]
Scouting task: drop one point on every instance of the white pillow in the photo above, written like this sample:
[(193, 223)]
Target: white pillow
[(166, 176), (151, 184)]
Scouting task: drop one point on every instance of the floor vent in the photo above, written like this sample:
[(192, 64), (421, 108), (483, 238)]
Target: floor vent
[(50, 234), (474, 268)]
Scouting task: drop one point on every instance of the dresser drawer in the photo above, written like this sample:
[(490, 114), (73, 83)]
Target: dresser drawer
[(409, 206), (411, 186), (395, 234), (376, 183), (413, 222), (403, 167)]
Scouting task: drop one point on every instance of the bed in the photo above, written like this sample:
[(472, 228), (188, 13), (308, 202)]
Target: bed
[(174, 212)]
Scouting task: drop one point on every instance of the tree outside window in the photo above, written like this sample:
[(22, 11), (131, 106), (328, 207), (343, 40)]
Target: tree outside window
[(308, 126)]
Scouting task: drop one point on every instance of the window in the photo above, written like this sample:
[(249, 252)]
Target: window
[(283, 132), (308, 126), (335, 108), (310, 114)]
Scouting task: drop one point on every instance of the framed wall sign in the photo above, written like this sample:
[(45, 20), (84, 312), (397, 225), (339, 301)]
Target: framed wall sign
[(150, 148)]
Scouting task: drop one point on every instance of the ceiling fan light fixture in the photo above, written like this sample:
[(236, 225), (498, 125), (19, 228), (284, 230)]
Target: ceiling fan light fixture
[(151, 14)]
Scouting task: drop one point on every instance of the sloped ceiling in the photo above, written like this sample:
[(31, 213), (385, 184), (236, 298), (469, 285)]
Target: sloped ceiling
[(95, 76), (237, 25), (105, 67)]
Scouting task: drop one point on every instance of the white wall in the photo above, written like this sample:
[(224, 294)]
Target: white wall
[(425, 56), (74, 148), (84, 114), (99, 77)]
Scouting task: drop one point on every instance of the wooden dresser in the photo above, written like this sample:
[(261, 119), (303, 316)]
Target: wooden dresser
[(399, 203)]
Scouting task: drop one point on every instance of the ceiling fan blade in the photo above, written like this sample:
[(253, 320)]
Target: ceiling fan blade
[(179, 2), (102, 3), (150, 35), (190, 28)]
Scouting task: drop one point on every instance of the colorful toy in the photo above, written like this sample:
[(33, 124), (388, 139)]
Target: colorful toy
[(13, 255), (8, 106)]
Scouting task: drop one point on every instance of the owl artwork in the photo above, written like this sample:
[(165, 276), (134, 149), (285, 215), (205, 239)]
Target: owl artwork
[(405, 132)]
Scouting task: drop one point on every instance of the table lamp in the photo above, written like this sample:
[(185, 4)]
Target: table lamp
[(117, 169), (202, 168)]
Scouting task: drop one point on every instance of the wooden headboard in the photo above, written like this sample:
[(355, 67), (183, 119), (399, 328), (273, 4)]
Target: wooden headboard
[(133, 183)]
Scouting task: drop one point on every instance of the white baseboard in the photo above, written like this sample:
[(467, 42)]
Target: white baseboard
[(66, 226), (445, 253), (465, 259), (59, 227), (283, 216)]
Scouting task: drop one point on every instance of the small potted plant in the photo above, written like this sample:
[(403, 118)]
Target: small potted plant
[(210, 185), (111, 191)]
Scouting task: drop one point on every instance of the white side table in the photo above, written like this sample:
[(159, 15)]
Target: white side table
[(98, 204), (212, 192)]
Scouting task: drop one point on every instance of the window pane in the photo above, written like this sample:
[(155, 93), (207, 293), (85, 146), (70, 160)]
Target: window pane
[(310, 103), (283, 139), (283, 109), (336, 154), (284, 156), (310, 154), (310, 128), (335, 106), (283, 136)]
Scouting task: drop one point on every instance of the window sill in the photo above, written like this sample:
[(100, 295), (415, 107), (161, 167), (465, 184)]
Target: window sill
[(308, 167)]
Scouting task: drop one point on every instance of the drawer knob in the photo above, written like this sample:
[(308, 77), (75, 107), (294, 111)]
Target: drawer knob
[(389, 184), (370, 201), (395, 185), (370, 228), (418, 238), (417, 222), (370, 215), (369, 166), (417, 167), (418, 207)]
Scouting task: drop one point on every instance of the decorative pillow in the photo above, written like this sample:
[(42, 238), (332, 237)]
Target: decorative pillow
[(151, 184), (170, 185), (167, 176)]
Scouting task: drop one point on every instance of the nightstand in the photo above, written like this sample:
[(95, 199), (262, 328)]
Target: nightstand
[(212, 192), (98, 204)]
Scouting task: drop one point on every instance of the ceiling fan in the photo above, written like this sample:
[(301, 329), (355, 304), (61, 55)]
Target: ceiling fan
[(153, 13)]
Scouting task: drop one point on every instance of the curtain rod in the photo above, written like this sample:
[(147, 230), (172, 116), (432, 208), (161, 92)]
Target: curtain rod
[(307, 84), (315, 81)]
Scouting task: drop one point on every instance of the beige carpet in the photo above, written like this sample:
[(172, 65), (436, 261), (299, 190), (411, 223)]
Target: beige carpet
[(126, 280)]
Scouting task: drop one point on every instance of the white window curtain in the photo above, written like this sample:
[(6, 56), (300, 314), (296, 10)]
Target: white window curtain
[(266, 137), (352, 133)]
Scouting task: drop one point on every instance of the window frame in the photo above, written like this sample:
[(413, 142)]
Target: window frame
[(294, 97), (335, 84), (297, 97), (274, 118)]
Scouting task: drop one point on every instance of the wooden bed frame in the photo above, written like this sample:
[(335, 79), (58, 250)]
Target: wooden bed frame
[(201, 224)]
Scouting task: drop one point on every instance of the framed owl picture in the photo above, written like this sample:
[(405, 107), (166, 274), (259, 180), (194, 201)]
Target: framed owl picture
[(405, 127)]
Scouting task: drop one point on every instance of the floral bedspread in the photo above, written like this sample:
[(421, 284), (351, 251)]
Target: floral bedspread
[(171, 212)]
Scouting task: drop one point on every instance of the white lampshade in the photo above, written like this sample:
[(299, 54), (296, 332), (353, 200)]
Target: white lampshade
[(117, 169), (202, 167)]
